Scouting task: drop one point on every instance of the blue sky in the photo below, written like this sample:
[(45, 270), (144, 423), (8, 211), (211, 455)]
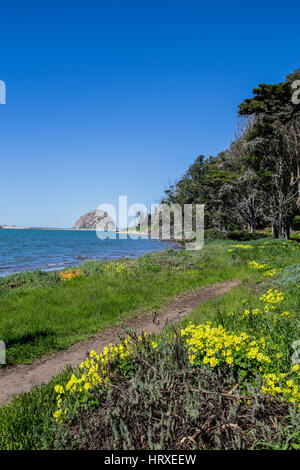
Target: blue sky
[(108, 98)]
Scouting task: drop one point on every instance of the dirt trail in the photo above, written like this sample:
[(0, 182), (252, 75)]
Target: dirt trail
[(22, 378)]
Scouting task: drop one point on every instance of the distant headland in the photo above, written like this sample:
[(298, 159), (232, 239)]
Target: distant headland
[(93, 220)]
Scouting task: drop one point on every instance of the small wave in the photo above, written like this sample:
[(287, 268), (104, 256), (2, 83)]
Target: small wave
[(50, 265)]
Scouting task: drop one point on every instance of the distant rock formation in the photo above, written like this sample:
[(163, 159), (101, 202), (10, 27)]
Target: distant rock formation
[(96, 220)]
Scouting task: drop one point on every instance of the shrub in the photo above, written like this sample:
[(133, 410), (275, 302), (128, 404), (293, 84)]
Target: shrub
[(289, 276), (115, 267), (92, 267), (233, 357), (28, 279), (170, 404), (240, 235), (296, 223), (215, 234)]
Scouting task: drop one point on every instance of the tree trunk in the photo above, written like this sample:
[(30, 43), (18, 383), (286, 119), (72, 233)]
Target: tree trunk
[(275, 230), (287, 229), (252, 227)]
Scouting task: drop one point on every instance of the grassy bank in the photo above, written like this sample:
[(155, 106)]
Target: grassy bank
[(181, 397), (46, 312)]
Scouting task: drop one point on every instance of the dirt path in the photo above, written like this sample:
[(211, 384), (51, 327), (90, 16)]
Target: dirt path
[(23, 377)]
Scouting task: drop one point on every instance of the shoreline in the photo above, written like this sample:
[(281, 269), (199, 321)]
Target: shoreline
[(60, 267), (12, 227)]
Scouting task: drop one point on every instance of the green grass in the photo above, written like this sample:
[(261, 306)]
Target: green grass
[(27, 421), (40, 319), (276, 256), (228, 309), (41, 314)]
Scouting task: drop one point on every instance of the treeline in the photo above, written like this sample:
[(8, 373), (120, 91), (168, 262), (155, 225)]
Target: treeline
[(256, 182)]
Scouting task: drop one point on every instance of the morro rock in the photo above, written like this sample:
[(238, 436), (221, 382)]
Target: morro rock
[(96, 220)]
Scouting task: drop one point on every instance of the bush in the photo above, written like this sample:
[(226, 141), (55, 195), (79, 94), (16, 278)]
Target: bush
[(28, 279), (238, 235), (169, 404), (243, 235), (92, 267), (289, 276), (215, 234), (296, 223)]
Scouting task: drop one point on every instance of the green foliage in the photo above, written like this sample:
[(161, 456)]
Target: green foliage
[(28, 279), (215, 234), (267, 100), (290, 276), (160, 402), (253, 184), (169, 404), (243, 235), (296, 223), (92, 267), (238, 235), (158, 406), (27, 422), (40, 319)]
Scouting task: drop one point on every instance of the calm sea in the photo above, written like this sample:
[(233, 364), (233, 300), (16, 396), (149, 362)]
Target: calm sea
[(26, 250)]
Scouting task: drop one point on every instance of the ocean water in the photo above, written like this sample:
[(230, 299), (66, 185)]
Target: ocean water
[(26, 250)]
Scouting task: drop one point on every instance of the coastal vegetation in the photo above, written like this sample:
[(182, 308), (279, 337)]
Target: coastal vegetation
[(227, 376), (221, 379), (256, 182), (45, 312)]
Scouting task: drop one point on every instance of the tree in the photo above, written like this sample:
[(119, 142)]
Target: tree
[(257, 180), (274, 149)]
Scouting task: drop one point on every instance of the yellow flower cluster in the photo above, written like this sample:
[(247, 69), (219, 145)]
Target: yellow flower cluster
[(207, 343), (272, 299), (70, 274), (254, 312), (270, 273), (243, 247), (276, 245), (215, 346), (191, 271), (281, 386), (115, 267), (286, 314), (96, 370), (256, 265)]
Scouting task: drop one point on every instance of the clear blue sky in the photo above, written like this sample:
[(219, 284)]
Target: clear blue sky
[(119, 97)]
